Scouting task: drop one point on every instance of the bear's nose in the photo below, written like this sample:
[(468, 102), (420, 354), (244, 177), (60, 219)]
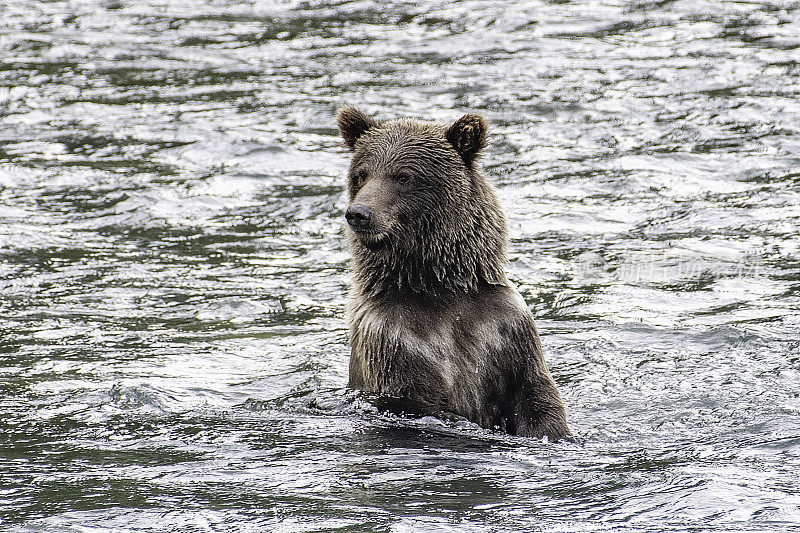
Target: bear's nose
[(358, 216)]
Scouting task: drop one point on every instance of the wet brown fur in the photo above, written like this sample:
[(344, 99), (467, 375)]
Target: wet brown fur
[(434, 321)]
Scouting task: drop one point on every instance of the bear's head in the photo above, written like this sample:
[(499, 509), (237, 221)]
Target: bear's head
[(421, 218)]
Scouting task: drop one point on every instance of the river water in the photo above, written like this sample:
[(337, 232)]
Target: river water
[(173, 346)]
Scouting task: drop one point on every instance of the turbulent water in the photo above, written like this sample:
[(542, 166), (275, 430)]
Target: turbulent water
[(173, 346)]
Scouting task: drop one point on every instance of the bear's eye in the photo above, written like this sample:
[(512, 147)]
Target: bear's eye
[(403, 178), (360, 176)]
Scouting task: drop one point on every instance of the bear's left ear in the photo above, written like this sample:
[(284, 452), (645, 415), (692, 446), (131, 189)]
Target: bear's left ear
[(468, 137), (352, 124)]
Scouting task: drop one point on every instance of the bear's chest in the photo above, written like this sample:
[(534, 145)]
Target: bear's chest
[(395, 353), (439, 360)]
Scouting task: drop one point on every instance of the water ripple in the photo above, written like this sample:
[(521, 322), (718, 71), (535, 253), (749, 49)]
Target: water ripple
[(173, 273)]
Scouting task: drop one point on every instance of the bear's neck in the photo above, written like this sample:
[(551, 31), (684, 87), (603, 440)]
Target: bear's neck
[(460, 269)]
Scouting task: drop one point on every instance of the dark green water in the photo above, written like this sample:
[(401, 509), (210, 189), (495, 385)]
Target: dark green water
[(173, 350)]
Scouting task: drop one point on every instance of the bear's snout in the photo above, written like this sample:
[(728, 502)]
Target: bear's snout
[(358, 216)]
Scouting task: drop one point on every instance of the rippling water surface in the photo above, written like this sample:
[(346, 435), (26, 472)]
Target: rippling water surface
[(173, 273)]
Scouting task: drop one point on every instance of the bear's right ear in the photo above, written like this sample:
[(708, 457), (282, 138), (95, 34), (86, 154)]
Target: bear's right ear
[(352, 124), (468, 137)]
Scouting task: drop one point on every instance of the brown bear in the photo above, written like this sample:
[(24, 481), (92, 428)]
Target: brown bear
[(434, 321)]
